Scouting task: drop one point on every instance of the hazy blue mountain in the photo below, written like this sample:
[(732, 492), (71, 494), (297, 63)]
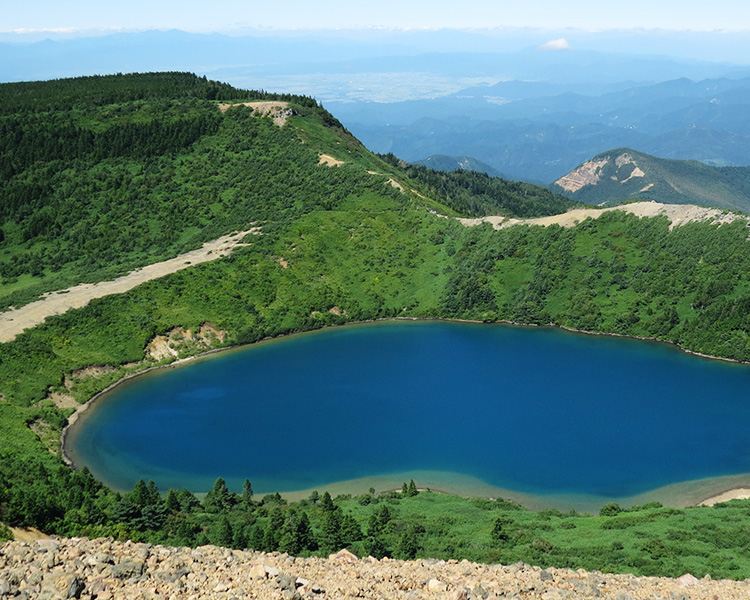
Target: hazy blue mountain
[(540, 138), (522, 150), (441, 162), (495, 96), (283, 61), (624, 174)]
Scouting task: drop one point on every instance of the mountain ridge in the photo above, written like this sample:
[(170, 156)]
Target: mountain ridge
[(443, 162), (624, 174)]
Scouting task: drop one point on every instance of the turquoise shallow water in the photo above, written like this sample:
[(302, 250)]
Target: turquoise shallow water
[(537, 410)]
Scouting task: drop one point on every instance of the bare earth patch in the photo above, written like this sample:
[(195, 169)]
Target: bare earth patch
[(13, 322), (61, 400), (92, 371), (278, 111), (678, 214), (208, 333), (736, 494), (179, 338), (159, 349), (396, 184), (587, 174), (22, 534), (326, 159)]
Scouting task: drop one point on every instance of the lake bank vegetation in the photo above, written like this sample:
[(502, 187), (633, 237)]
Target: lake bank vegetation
[(102, 175)]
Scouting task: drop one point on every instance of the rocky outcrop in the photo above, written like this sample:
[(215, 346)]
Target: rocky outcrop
[(621, 168), (180, 341), (106, 570), (588, 173)]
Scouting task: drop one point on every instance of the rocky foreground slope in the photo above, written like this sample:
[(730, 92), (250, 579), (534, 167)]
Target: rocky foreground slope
[(103, 569)]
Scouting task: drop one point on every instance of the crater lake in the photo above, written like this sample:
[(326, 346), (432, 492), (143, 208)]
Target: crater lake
[(541, 415)]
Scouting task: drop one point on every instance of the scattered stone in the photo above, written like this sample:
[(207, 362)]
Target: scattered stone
[(435, 585), (75, 587), (286, 582), (344, 556), (688, 580), (271, 571), (128, 570), (108, 570), (257, 571), (459, 594)]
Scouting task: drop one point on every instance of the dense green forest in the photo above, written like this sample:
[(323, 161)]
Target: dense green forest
[(476, 194), (648, 540), (121, 171)]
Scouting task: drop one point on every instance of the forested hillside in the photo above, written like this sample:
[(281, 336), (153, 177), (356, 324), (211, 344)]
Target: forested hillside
[(121, 171), (623, 174)]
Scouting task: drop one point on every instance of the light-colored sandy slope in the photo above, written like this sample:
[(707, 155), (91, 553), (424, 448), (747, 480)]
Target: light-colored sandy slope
[(326, 159), (735, 494), (13, 322), (678, 214), (278, 111)]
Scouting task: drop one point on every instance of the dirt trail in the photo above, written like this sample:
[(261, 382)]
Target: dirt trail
[(13, 322), (678, 214)]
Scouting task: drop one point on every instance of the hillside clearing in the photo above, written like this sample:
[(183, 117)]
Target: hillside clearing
[(278, 111), (14, 322)]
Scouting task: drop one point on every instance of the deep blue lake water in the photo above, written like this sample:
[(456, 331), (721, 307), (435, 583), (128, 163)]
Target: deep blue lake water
[(537, 410)]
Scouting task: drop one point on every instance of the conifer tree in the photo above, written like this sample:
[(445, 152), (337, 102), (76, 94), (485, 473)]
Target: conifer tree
[(247, 494)]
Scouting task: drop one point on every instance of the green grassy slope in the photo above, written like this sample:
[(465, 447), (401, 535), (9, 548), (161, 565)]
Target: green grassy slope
[(338, 244), (663, 180)]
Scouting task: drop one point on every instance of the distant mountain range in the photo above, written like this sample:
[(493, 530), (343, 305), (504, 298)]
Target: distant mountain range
[(623, 174), (529, 113), (441, 162), (533, 132)]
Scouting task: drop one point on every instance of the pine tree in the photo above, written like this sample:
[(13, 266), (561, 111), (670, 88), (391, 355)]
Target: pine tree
[(326, 503), (272, 534), (256, 538), (408, 544), (306, 534), (350, 530), (247, 494), (331, 539), (289, 541), (219, 499), (172, 501), (224, 534)]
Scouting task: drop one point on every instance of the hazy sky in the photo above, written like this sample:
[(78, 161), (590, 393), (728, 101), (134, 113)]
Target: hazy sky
[(228, 15)]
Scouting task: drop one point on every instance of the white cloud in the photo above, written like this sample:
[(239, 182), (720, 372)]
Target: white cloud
[(559, 44)]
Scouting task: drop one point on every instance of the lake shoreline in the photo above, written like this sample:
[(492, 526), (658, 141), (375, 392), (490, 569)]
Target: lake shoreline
[(83, 409)]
